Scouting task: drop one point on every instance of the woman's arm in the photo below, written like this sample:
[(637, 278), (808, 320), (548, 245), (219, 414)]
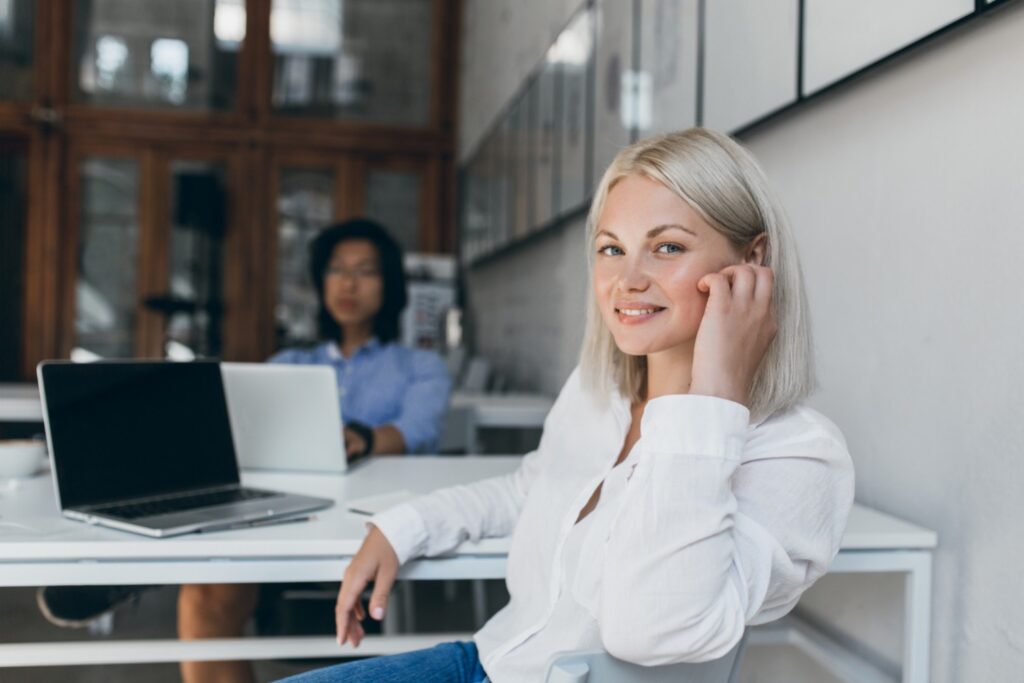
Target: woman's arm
[(438, 522), (703, 546), (429, 525), (418, 425)]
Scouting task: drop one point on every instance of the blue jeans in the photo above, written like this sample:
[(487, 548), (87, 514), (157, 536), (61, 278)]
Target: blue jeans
[(456, 662)]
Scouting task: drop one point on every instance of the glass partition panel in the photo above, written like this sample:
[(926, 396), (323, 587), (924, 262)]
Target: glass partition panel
[(305, 205), (159, 54), (614, 105), (194, 306), (393, 199), (367, 60), (108, 243), (545, 142), (13, 195), (574, 51), (16, 30), (474, 197)]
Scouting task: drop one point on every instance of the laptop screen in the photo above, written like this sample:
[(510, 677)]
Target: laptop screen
[(128, 429)]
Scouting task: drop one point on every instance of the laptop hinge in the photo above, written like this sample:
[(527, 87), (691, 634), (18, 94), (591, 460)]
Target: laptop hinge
[(162, 496)]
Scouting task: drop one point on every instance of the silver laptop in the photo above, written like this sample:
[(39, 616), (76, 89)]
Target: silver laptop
[(285, 417), (145, 446)]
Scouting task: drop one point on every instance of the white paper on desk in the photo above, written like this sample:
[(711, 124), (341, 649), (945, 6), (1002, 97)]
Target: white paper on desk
[(371, 505)]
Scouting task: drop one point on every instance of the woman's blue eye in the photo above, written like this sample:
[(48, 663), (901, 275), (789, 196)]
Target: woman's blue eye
[(669, 248), (609, 250)]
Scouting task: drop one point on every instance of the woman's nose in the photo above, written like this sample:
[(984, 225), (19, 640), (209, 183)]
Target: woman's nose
[(634, 277)]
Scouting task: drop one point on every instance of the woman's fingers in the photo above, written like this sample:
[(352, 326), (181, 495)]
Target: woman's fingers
[(382, 584), (742, 283), (353, 443), (765, 285), (344, 609), (716, 286), (742, 279), (356, 633)]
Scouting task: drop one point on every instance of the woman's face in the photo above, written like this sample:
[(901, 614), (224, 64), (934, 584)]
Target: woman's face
[(353, 288), (652, 249)]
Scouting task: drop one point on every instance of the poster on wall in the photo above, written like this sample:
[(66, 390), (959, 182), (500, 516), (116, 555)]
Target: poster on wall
[(669, 31), (431, 283), (843, 36), (750, 60), (614, 80), (574, 52)]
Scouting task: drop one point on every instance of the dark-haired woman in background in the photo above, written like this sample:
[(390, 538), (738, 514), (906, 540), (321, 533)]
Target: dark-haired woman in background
[(393, 398)]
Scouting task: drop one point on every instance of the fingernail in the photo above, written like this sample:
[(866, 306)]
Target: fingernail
[(378, 613)]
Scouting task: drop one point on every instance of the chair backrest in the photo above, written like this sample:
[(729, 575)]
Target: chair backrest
[(600, 667)]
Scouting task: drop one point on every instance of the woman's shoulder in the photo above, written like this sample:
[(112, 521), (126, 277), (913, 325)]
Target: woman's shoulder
[(797, 427)]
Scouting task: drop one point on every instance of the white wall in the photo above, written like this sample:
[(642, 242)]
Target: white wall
[(526, 313), (906, 191)]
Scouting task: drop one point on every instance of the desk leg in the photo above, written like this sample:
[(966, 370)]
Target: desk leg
[(916, 566), (472, 447), (917, 619)]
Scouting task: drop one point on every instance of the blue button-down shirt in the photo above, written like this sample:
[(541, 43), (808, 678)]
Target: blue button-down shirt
[(386, 384)]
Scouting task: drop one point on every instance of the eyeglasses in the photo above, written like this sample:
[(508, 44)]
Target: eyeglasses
[(364, 273)]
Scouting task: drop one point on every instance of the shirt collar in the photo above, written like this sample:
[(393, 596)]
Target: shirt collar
[(334, 351)]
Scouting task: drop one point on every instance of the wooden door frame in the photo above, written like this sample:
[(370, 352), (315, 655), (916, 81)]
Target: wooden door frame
[(59, 131)]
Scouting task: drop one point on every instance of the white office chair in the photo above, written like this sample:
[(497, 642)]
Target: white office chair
[(600, 667)]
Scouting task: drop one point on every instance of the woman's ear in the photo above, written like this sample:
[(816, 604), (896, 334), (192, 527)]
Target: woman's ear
[(757, 251)]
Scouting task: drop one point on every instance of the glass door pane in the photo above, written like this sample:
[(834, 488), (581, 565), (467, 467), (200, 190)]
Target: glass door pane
[(13, 198), (108, 243), (393, 199), (154, 53), (305, 205), (16, 31), (353, 59), (194, 305)]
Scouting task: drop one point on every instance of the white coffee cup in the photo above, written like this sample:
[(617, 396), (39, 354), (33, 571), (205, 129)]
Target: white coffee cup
[(21, 458)]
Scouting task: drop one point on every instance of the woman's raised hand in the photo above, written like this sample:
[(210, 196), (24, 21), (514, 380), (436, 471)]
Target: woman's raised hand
[(735, 332), (376, 561)]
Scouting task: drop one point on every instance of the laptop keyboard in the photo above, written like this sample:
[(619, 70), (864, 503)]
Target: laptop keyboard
[(200, 500)]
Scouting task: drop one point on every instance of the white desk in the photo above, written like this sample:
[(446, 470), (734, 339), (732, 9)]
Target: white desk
[(516, 411), (20, 403), (38, 547)]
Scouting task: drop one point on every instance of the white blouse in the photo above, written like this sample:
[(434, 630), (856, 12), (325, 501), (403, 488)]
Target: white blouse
[(710, 524)]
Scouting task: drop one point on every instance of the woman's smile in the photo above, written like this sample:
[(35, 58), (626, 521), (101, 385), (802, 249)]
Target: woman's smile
[(637, 312)]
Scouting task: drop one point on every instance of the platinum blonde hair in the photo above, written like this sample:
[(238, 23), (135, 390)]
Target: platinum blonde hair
[(725, 185)]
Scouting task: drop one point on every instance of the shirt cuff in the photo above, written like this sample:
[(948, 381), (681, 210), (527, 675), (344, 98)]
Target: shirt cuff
[(408, 436), (695, 425), (405, 530)]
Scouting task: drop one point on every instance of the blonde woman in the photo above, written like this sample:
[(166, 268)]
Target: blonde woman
[(681, 490)]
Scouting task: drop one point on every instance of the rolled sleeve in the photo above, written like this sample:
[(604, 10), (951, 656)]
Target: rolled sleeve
[(694, 425), (405, 530), (425, 403)]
